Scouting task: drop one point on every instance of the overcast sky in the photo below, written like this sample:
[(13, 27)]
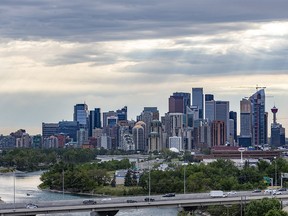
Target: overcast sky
[(115, 53)]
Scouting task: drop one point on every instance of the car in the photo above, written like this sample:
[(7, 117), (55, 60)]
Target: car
[(169, 195), (268, 191), (89, 202), (31, 206), (277, 192), (147, 199), (131, 201), (231, 193), (256, 191), (282, 189)]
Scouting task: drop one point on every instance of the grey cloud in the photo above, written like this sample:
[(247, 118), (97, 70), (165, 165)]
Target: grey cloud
[(88, 20)]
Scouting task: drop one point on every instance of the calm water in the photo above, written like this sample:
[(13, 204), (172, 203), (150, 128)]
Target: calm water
[(28, 185)]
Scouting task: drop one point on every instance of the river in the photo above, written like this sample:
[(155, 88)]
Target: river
[(25, 187)]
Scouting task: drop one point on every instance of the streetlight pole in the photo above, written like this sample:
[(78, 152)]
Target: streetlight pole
[(184, 178), (63, 184), (14, 176), (275, 171), (149, 180)]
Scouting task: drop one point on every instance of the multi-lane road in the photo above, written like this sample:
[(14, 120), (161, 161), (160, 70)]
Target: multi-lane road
[(114, 203)]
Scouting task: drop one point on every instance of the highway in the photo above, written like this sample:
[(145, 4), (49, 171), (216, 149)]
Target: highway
[(116, 203)]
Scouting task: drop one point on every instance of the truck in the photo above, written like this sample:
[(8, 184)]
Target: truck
[(217, 194)]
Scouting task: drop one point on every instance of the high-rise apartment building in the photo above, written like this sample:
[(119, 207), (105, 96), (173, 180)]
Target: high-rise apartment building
[(197, 100)]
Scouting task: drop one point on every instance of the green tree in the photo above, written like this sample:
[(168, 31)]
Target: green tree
[(128, 179), (275, 212), (262, 207)]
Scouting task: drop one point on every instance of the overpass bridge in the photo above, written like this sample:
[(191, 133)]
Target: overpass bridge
[(110, 209)]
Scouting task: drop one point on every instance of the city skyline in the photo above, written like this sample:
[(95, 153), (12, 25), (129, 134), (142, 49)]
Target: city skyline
[(111, 54)]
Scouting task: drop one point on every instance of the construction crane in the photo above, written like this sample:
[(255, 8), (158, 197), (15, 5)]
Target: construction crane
[(249, 87), (260, 87)]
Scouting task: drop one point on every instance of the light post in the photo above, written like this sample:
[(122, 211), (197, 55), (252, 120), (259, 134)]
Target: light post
[(14, 179), (149, 180), (63, 184), (184, 164), (275, 171)]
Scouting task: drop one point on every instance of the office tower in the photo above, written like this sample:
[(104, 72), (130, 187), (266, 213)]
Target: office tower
[(245, 138), (94, 120), (176, 104), (233, 115), (205, 135), (112, 121), (138, 137), (231, 140), (122, 114), (209, 97), (49, 129), (218, 136), (106, 115), (155, 136), (222, 114), (146, 117), (190, 116), (259, 122), (277, 131), (69, 128), (81, 114), (154, 111), (210, 110), (197, 100), (186, 99), (245, 118)]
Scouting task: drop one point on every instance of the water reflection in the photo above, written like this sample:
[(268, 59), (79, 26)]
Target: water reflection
[(26, 190)]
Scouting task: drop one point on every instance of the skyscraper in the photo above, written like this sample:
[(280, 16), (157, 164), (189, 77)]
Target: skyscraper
[(222, 114), (176, 104), (197, 100), (259, 122), (210, 110), (94, 120), (122, 114), (81, 115), (233, 115), (186, 99), (154, 111)]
